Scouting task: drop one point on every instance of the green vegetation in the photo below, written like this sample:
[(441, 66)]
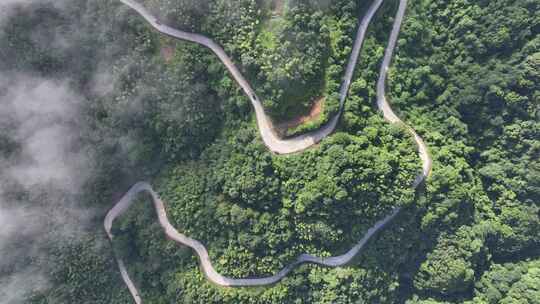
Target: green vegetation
[(291, 60), (469, 69), (465, 76)]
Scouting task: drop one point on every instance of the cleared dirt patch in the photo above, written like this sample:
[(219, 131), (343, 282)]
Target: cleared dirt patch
[(167, 52), (314, 113), (277, 7)]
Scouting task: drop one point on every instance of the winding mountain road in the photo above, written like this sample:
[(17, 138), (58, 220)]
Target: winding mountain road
[(277, 145), (382, 102), (269, 137)]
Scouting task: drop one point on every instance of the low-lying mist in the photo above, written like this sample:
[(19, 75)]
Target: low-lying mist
[(44, 159)]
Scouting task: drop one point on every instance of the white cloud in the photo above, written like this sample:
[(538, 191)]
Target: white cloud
[(45, 114), (50, 167)]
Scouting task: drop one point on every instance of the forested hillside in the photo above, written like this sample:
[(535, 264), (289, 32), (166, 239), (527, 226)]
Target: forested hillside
[(467, 74), (93, 100), (293, 52)]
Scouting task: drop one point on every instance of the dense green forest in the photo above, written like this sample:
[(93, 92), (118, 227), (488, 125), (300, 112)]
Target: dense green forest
[(135, 105)]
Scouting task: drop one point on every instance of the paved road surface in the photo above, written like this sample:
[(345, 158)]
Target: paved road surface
[(277, 145), (206, 264), (383, 104), (269, 137)]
